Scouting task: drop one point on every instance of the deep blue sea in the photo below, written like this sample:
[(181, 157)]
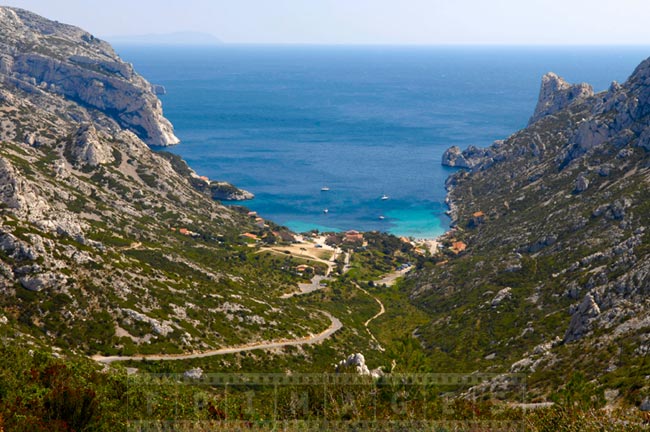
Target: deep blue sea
[(285, 121)]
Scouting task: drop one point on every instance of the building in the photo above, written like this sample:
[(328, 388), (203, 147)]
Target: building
[(353, 236), (458, 247)]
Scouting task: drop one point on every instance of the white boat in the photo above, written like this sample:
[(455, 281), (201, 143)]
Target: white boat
[(324, 189), (384, 197), (381, 217), (326, 211)]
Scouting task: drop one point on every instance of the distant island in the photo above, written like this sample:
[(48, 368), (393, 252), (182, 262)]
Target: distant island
[(167, 39)]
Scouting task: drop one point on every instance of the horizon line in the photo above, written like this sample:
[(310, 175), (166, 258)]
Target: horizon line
[(422, 45)]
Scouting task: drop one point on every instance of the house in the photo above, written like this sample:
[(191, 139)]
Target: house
[(353, 236), (250, 236), (286, 236), (458, 247), (302, 268)]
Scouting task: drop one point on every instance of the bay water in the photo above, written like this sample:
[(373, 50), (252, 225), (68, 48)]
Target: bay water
[(364, 121)]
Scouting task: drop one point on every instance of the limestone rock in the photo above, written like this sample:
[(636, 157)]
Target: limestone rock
[(357, 364), (41, 281), (582, 317), (16, 193), (502, 295), (644, 140), (582, 183), (196, 373), (88, 149), (224, 191), (158, 89), (82, 68), (469, 158), (556, 94), (160, 328), (453, 157)]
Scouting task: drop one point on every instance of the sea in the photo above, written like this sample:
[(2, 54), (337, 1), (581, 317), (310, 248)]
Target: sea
[(367, 122)]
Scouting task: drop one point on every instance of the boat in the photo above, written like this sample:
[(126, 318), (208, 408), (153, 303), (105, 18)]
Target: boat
[(324, 189), (384, 197), (326, 211), (381, 217)]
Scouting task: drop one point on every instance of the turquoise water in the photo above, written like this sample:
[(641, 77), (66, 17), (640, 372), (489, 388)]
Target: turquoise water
[(284, 121)]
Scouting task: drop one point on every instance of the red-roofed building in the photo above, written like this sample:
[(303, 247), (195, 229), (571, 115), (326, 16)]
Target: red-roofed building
[(458, 247), (353, 236), (250, 236)]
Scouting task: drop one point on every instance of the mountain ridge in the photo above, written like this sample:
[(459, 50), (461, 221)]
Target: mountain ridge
[(553, 218), (105, 245), (47, 59)]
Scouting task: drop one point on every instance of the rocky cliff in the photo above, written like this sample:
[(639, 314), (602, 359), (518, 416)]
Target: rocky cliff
[(49, 60), (105, 245), (556, 94), (558, 215)]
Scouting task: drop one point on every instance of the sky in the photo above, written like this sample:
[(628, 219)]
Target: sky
[(421, 22)]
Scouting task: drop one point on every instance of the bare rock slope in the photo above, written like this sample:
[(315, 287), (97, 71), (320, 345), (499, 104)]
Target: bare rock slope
[(45, 57), (105, 245), (557, 214)]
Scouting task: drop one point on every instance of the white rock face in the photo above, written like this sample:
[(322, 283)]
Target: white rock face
[(41, 281), (582, 317), (160, 328), (502, 295), (582, 184), (453, 157), (357, 363), (88, 149), (17, 194), (82, 68), (196, 373), (556, 94)]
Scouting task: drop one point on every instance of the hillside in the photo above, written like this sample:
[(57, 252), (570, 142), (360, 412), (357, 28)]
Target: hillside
[(106, 246), (555, 276), (123, 280)]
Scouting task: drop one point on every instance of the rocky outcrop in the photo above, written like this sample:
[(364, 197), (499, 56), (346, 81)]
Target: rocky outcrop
[(556, 94), (224, 191), (86, 147), (453, 157), (42, 56), (566, 205), (356, 363), (41, 281), (16, 193), (193, 374), (501, 296), (581, 318), (469, 158), (158, 90), (582, 183)]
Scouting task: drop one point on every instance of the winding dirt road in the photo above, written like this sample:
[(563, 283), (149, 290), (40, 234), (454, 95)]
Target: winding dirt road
[(333, 328), (382, 310)]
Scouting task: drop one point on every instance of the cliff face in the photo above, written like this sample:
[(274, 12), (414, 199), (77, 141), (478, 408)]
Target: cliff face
[(556, 94), (557, 213), (43, 57), (105, 245)]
